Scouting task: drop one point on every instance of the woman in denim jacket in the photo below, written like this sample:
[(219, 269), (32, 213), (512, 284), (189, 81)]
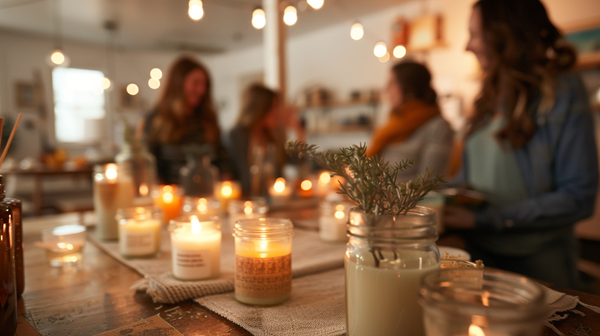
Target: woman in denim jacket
[(530, 145)]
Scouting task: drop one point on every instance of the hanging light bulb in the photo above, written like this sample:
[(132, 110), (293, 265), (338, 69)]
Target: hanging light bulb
[(133, 89), (316, 4), (153, 83), (57, 57), (380, 49), (290, 15), (258, 18), (399, 51), (105, 83), (156, 73), (357, 31), (196, 10), (384, 58)]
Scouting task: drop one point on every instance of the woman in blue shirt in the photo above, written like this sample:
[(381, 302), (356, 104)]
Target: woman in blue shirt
[(530, 145)]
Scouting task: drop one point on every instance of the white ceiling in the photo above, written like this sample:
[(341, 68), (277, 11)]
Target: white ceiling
[(164, 24)]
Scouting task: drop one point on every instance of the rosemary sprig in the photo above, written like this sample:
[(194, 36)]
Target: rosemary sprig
[(371, 182)]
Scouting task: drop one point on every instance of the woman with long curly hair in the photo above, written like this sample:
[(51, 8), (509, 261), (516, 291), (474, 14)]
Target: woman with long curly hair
[(184, 115), (530, 145)]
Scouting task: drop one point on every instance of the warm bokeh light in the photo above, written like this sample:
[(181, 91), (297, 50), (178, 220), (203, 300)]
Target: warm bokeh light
[(196, 10), (111, 171), (399, 51), (475, 331), (316, 4), (105, 83), (279, 185), (384, 58), (57, 57), (133, 89), (339, 214), (153, 83), (306, 185), (380, 49), (226, 190), (324, 178), (196, 226), (259, 20), (290, 15), (156, 73), (144, 189), (357, 31), (168, 197), (248, 210)]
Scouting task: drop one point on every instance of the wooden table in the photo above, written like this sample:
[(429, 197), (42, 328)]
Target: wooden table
[(95, 296)]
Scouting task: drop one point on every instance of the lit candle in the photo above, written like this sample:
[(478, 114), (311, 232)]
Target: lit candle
[(306, 188), (227, 190), (239, 209), (113, 189), (200, 206), (279, 192), (139, 231), (196, 248), (169, 202), (332, 221), (263, 261), (323, 186)]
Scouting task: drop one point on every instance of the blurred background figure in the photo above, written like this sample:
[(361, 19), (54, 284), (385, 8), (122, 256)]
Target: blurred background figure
[(530, 145), (415, 128), (184, 116)]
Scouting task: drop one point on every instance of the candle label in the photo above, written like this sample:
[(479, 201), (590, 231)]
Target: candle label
[(139, 243), (192, 263), (263, 277)]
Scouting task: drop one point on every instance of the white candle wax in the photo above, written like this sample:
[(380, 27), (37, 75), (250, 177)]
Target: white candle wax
[(196, 252), (111, 191), (383, 301), (139, 238), (279, 192)]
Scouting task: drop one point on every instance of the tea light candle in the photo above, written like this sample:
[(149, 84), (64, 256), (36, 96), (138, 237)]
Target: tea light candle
[(169, 202), (196, 248), (306, 188), (263, 261), (227, 190), (63, 244), (279, 192), (113, 188), (323, 185), (139, 231), (332, 221)]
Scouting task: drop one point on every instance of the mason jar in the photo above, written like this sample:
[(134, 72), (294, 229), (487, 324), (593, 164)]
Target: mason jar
[(467, 302), (386, 257), (263, 261)]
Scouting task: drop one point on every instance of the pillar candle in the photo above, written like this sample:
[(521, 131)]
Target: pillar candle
[(113, 189)]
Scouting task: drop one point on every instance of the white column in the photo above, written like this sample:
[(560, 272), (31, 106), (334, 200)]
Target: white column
[(274, 40)]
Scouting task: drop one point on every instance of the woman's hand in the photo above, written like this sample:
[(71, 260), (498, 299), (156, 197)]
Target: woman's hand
[(458, 218)]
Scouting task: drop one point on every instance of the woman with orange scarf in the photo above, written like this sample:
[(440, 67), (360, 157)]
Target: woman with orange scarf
[(415, 128)]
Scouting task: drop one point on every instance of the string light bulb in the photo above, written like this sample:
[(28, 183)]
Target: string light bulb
[(105, 83), (259, 20), (380, 49), (357, 31), (384, 58), (290, 15), (399, 51), (316, 4), (153, 83), (156, 73), (196, 10), (133, 89)]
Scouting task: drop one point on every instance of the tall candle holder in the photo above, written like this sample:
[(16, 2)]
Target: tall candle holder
[(463, 302), (263, 261), (113, 189)]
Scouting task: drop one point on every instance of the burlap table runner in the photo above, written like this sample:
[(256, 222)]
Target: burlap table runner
[(317, 307), (309, 255)]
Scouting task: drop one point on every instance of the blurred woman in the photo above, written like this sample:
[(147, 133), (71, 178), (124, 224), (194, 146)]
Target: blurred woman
[(184, 116), (530, 145), (415, 128)]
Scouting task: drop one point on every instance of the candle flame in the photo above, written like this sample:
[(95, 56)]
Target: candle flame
[(144, 189), (279, 185), (324, 178), (168, 197), (248, 210), (475, 330), (111, 171), (196, 226), (167, 189), (339, 214), (306, 185), (202, 205), (226, 190), (485, 298)]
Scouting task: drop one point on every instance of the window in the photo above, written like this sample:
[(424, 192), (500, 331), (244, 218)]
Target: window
[(78, 105)]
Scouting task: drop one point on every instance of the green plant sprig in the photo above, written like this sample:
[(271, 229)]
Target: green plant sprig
[(371, 181)]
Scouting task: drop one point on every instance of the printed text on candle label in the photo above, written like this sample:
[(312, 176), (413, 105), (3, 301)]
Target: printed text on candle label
[(192, 263), (263, 277)]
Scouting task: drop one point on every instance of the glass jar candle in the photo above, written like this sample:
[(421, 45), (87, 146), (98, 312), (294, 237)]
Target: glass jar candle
[(169, 202), (113, 189), (139, 231), (226, 191), (462, 302), (263, 261), (386, 257), (64, 244), (332, 221), (196, 247), (239, 209), (280, 192)]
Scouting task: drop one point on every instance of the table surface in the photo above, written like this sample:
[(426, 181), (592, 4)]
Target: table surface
[(95, 296)]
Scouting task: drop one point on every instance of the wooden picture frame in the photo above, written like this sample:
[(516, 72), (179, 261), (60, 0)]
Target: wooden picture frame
[(26, 96)]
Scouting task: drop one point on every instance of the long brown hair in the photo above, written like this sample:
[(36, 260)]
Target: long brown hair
[(526, 52), (257, 102), (415, 81), (170, 124)]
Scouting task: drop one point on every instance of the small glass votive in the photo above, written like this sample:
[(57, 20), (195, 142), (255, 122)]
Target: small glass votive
[(196, 247), (139, 231), (239, 209), (332, 221), (263, 261), (461, 302), (63, 244), (203, 206)]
